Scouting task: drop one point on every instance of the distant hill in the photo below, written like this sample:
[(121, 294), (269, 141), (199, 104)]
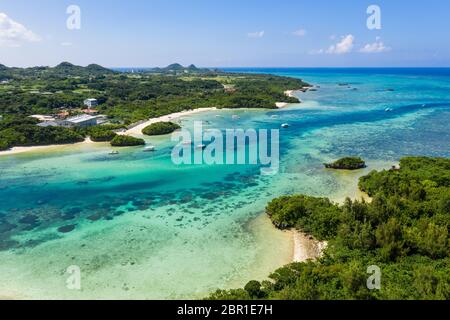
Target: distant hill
[(98, 68), (63, 69), (66, 67), (178, 68), (71, 69), (174, 67)]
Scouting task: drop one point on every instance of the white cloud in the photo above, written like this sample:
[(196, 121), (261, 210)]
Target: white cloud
[(344, 46), (13, 34), (258, 34), (376, 47), (66, 44), (299, 33)]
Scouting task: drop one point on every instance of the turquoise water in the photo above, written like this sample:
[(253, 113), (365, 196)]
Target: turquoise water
[(140, 227)]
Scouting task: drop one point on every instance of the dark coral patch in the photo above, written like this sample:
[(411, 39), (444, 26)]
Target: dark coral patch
[(67, 229)]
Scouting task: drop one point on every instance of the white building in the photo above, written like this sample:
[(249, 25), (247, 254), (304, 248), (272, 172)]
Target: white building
[(91, 103), (83, 121)]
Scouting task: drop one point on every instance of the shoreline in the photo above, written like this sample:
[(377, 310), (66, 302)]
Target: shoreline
[(137, 130), (305, 247), (19, 150), (290, 94)]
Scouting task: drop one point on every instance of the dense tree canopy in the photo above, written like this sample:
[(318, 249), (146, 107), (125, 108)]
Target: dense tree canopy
[(348, 163), (101, 133), (126, 141), (404, 231), (24, 132), (160, 128)]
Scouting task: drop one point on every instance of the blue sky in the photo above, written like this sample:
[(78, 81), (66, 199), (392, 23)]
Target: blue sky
[(232, 33)]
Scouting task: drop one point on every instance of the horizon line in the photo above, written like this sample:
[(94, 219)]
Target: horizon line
[(248, 67)]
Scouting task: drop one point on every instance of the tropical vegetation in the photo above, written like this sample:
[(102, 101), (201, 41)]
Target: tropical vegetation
[(403, 231), (126, 141), (160, 128), (126, 98), (348, 163), (21, 132)]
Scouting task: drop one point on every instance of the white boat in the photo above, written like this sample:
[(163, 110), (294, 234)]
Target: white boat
[(149, 149), (235, 117), (187, 142), (285, 125), (114, 152), (201, 146), (388, 110)]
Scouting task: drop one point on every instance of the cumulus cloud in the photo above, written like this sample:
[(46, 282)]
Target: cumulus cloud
[(13, 34), (258, 34), (299, 33), (344, 46), (376, 47)]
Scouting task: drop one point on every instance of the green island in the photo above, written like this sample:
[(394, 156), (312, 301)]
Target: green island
[(160, 128), (348, 163), (126, 141), (67, 97), (404, 231)]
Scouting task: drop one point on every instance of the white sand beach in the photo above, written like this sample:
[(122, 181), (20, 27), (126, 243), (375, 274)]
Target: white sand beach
[(18, 150), (306, 247), (290, 93), (281, 105), (167, 118)]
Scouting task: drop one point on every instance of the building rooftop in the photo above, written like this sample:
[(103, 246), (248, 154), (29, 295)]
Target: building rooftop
[(81, 118), (48, 124)]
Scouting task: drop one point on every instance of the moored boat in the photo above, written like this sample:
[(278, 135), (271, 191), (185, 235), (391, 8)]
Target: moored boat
[(149, 149)]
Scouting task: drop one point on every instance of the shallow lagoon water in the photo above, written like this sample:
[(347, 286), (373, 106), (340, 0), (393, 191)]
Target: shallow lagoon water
[(139, 226)]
